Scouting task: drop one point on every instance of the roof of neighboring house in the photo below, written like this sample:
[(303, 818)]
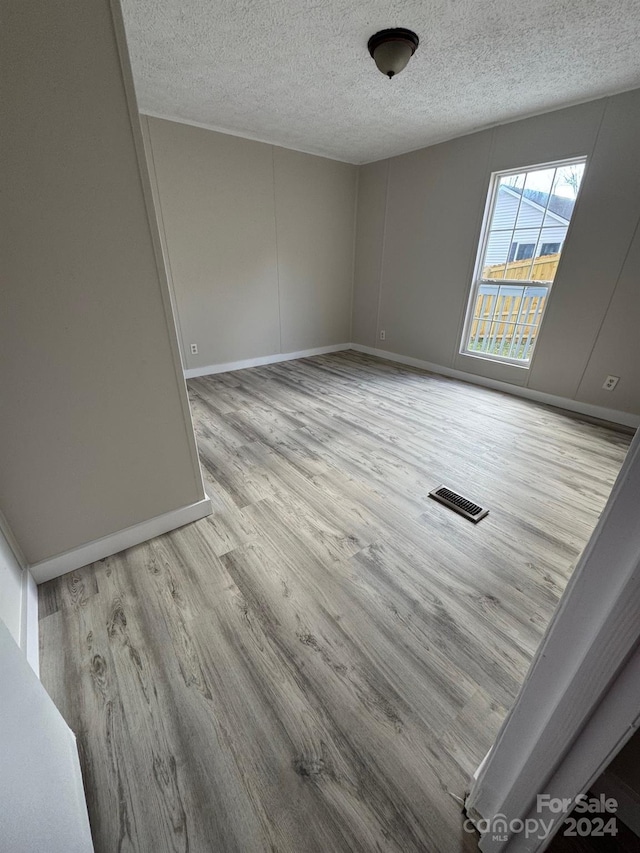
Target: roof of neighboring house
[(558, 204)]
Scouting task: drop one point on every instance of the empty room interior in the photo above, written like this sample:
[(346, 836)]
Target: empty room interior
[(319, 485)]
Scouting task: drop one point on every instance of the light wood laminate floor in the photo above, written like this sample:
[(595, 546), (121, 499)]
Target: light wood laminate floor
[(322, 663)]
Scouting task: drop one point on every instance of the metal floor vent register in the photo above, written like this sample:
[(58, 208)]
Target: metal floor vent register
[(458, 503)]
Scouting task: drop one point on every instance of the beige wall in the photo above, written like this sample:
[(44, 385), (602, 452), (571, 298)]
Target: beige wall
[(258, 240), (422, 213), (95, 433)]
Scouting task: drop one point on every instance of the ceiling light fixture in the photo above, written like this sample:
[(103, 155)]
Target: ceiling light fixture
[(392, 49)]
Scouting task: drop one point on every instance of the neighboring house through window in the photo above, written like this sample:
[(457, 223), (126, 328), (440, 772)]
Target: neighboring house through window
[(528, 215)]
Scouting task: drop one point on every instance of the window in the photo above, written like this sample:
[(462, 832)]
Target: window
[(549, 248), (521, 251), (528, 215)]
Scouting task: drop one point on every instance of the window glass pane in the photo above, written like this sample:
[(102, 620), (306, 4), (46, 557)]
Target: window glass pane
[(523, 246), (568, 180), (545, 262), (535, 195), (559, 212), (505, 320), (496, 253), (507, 202), (563, 197)]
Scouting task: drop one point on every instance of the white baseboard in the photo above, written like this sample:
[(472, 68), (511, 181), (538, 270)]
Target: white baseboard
[(115, 542), (29, 635), (614, 415), (193, 372), (478, 770)]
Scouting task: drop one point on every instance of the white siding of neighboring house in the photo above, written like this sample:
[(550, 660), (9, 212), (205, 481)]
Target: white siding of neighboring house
[(529, 221)]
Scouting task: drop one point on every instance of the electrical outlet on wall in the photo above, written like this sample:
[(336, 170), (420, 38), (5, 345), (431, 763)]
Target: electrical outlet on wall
[(194, 349), (610, 383), (383, 335)]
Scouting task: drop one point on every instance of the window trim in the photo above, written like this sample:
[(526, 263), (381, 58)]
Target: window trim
[(476, 282)]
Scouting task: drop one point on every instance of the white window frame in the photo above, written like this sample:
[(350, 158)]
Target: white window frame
[(477, 281)]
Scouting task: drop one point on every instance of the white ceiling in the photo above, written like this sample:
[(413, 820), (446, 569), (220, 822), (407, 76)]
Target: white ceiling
[(298, 73)]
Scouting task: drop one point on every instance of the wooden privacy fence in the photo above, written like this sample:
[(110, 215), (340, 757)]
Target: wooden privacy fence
[(506, 319), (543, 269)]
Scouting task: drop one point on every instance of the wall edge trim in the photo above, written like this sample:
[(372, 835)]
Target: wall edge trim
[(98, 549), (29, 629)]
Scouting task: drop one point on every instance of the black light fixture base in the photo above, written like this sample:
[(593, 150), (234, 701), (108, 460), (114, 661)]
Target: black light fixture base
[(405, 40), (396, 34)]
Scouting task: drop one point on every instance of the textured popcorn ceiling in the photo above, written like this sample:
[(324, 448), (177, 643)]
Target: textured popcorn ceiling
[(298, 73)]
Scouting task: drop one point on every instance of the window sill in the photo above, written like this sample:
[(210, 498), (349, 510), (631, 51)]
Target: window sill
[(496, 359)]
